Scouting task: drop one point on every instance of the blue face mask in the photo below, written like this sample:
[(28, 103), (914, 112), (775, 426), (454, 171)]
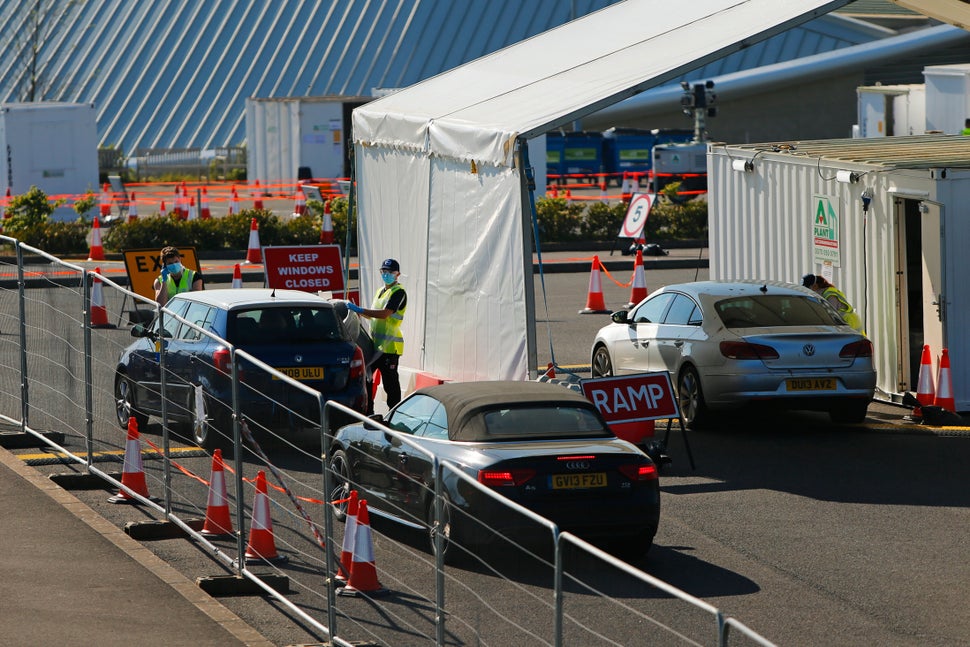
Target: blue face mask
[(174, 268), (388, 277)]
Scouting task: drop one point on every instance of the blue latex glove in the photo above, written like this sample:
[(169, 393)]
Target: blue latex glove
[(164, 273), (353, 307)]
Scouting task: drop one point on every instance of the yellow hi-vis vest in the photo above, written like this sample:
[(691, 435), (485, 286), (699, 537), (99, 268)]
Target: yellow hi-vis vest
[(387, 332), (846, 310), (184, 285)]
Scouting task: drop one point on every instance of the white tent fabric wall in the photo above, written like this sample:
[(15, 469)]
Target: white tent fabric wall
[(474, 114)]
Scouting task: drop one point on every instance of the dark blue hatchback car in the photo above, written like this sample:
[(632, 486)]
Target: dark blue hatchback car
[(299, 334)]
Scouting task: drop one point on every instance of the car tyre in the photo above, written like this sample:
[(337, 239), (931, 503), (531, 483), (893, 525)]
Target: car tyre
[(125, 404), (691, 398), (850, 412), (208, 432), (602, 365), (631, 550), (341, 485)]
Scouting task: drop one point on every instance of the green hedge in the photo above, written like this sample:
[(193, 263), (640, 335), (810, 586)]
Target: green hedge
[(559, 221)]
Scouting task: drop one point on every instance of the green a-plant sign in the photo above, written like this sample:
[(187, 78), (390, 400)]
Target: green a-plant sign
[(825, 231)]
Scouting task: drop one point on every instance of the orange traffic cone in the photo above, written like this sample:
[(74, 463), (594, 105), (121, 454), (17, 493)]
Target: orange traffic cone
[(233, 203), (217, 519), (253, 254), (595, 304), (569, 195), (299, 202), (363, 570), (236, 276), (262, 546), (178, 207), (326, 226), (555, 192), (204, 212), (132, 208), (132, 471), (550, 371), (97, 251), (944, 387), (925, 390), (350, 535), (603, 196), (162, 211), (193, 214), (4, 204), (99, 314), (639, 291), (257, 197), (105, 201)]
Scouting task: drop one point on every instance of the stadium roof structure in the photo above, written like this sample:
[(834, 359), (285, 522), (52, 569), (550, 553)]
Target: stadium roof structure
[(177, 73)]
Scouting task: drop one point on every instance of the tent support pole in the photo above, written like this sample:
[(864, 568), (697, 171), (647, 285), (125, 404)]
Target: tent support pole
[(527, 181)]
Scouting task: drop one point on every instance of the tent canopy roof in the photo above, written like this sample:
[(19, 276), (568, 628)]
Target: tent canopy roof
[(477, 110)]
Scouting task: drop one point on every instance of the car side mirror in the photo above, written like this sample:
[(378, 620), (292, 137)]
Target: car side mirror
[(620, 317), (376, 417), (140, 330)]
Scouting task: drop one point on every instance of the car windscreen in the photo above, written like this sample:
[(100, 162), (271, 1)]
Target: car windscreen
[(528, 423), (769, 310), (290, 324)]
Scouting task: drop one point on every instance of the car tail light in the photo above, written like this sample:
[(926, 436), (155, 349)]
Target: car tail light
[(357, 364), (222, 359), (496, 478), (639, 471), (747, 350), (861, 348)]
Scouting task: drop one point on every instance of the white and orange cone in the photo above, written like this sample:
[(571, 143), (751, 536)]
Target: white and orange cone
[(639, 291), (132, 471), (944, 386), (105, 201), (236, 276), (218, 521), (326, 226), (193, 214), (257, 197), (178, 207), (4, 204), (254, 253), (363, 569), (595, 303), (233, 203), (925, 389), (350, 536), (299, 202), (132, 209), (204, 212), (262, 546), (99, 313), (162, 211), (97, 251)]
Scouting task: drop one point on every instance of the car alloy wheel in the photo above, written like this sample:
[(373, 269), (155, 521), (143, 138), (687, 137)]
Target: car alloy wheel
[(691, 398), (602, 364), (124, 404), (340, 489)]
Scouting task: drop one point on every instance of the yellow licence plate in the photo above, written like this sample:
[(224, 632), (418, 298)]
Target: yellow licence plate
[(301, 372), (811, 384), (576, 481)]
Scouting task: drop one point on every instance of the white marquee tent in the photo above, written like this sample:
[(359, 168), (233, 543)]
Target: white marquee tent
[(438, 165)]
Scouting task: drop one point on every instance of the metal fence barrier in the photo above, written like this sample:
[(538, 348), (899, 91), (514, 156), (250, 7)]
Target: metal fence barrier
[(59, 384)]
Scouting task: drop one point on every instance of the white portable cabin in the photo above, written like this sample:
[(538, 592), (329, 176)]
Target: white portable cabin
[(890, 110), (885, 218)]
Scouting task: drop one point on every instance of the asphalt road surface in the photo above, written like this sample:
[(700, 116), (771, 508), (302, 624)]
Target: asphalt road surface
[(809, 533)]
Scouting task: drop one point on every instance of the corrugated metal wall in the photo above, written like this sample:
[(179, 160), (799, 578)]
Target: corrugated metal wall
[(761, 228), (176, 73)]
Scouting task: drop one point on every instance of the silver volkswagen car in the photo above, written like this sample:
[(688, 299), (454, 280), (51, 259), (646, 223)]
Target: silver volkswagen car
[(728, 344)]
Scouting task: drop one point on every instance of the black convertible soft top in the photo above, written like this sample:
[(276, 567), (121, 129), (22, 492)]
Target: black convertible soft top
[(467, 402)]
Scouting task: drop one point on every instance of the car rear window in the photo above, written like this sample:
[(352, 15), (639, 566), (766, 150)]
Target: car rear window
[(522, 423), (284, 324), (775, 310)]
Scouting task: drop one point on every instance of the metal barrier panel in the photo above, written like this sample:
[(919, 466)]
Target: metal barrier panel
[(62, 331)]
